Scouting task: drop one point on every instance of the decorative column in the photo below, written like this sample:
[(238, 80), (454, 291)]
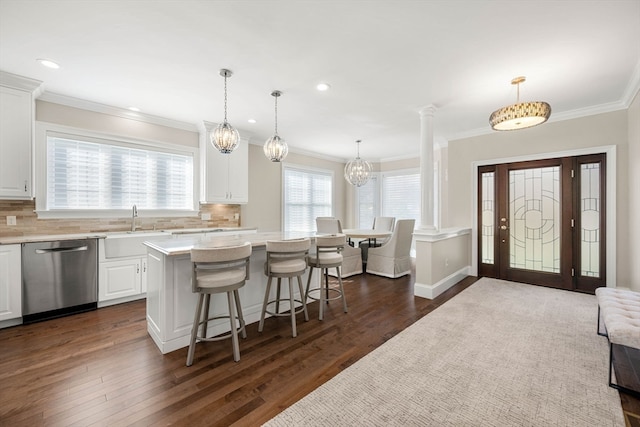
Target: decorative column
[(426, 167)]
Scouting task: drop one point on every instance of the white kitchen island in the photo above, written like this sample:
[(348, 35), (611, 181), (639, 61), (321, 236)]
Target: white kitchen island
[(170, 301)]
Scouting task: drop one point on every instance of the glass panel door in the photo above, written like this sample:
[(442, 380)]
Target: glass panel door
[(542, 222)]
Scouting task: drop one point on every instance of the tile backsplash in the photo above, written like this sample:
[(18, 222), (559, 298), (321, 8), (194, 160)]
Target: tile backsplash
[(28, 224)]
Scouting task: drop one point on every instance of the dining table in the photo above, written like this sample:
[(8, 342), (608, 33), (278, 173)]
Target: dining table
[(369, 234)]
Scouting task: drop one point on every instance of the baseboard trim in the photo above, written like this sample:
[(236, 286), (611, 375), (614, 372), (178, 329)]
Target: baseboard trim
[(432, 291)]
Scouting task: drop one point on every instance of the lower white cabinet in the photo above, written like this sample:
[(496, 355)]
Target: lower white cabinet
[(120, 278), (10, 284)]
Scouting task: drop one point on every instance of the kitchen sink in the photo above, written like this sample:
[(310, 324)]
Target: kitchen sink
[(127, 243)]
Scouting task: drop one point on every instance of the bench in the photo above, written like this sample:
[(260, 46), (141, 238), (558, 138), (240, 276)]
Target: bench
[(619, 321)]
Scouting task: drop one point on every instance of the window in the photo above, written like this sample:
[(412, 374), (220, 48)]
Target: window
[(368, 202), (85, 173), (401, 195), (308, 193)]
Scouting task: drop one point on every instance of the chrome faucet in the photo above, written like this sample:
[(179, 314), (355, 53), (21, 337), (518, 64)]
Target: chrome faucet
[(134, 214)]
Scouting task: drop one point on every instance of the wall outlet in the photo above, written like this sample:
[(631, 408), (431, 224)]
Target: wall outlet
[(11, 220), (205, 216), (236, 216)]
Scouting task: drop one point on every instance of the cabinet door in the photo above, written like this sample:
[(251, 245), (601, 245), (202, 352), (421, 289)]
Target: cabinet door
[(217, 176), (16, 107), (225, 177), (118, 279), (10, 282)]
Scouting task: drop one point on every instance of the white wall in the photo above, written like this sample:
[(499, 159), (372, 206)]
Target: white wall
[(592, 131), (633, 233), (264, 209)]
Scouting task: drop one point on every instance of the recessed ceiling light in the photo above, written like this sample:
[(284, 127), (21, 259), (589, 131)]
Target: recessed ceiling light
[(252, 120), (48, 63), (136, 109), (323, 87)]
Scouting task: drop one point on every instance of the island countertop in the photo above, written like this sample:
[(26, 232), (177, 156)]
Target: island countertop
[(183, 245)]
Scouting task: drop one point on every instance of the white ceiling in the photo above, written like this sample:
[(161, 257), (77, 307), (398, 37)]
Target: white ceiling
[(383, 59)]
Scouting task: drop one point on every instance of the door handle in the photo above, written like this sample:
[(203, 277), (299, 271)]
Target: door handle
[(58, 250), (504, 227)]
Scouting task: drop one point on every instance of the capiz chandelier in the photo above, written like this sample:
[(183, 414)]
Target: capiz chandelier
[(357, 171), (275, 149), (225, 138), (520, 115)]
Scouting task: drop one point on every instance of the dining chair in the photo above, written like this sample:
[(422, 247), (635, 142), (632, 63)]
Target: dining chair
[(352, 256), (393, 258), (285, 259), (384, 223), (215, 271)]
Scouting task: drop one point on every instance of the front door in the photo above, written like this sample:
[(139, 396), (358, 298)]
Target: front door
[(542, 222)]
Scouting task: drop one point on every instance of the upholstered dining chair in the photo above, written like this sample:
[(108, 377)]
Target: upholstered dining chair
[(384, 223), (327, 255), (393, 258), (351, 256), (285, 259), (215, 271)]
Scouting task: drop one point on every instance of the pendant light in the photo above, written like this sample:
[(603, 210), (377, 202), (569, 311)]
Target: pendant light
[(225, 138), (357, 171), (275, 148), (520, 115)]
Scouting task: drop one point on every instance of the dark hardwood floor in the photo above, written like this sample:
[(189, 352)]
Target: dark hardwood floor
[(101, 367)]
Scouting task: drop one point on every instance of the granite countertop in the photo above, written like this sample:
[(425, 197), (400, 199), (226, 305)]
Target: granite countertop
[(11, 240), (183, 245)]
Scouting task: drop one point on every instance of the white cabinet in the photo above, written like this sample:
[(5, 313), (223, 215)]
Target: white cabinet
[(121, 278), (16, 135), (10, 284), (224, 177)]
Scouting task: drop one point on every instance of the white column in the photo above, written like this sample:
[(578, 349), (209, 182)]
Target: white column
[(426, 167)]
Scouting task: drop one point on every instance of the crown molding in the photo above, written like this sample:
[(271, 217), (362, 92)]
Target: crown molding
[(254, 141), (83, 104), (20, 82), (633, 87)]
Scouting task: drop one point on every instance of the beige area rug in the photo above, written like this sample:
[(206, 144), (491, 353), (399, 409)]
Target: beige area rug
[(497, 354)]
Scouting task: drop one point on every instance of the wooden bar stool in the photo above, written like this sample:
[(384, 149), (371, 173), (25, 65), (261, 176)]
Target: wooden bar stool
[(285, 258), (328, 255), (214, 271)]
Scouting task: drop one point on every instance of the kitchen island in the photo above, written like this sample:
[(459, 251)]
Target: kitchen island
[(170, 301)]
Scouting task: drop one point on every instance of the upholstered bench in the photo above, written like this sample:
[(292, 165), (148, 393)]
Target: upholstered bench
[(619, 316)]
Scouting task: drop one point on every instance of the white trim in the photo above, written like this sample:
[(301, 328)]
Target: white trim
[(611, 167), (44, 129), (304, 152), (432, 291), (83, 104)]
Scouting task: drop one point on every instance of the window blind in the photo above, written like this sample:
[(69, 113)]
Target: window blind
[(368, 202), (401, 196), (89, 175), (307, 195)]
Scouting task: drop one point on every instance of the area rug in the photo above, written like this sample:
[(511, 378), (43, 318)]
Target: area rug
[(498, 354)]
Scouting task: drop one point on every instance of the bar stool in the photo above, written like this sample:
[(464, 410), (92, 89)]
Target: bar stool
[(285, 258), (328, 255), (214, 271)]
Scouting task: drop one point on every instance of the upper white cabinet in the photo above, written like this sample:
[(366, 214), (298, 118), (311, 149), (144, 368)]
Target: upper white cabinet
[(16, 135), (224, 177)]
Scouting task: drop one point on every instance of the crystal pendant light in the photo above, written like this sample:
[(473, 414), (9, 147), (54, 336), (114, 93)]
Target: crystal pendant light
[(520, 115), (275, 148), (357, 171), (225, 137)]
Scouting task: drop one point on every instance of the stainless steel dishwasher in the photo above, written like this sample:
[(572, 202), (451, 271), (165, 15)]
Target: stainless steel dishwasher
[(59, 278)]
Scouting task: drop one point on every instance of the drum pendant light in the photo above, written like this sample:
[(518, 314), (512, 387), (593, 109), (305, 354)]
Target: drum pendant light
[(520, 115)]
